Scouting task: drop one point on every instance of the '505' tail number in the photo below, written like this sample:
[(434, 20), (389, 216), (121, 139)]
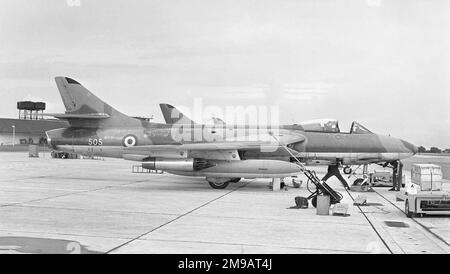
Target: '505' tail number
[(95, 142)]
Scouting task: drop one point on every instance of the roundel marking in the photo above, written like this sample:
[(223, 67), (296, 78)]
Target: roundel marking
[(129, 141)]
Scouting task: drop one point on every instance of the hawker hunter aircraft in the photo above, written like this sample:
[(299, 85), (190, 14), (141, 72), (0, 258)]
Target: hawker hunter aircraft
[(222, 154), (334, 149)]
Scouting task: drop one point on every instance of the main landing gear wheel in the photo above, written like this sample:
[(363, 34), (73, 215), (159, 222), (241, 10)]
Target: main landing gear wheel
[(408, 213), (358, 182), (314, 201), (347, 170), (219, 185)]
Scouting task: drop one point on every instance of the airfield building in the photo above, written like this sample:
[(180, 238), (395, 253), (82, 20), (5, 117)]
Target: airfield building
[(30, 128)]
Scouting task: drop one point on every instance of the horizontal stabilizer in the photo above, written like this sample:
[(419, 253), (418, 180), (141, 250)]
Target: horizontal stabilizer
[(78, 116)]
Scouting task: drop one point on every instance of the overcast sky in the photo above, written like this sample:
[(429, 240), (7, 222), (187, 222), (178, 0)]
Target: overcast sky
[(385, 64)]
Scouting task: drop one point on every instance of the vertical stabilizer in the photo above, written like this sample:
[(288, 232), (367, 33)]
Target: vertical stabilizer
[(173, 116), (80, 102)]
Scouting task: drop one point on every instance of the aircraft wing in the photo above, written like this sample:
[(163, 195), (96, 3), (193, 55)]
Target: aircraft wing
[(202, 146), (284, 139), (214, 150)]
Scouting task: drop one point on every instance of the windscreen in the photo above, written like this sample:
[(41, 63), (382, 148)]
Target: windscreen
[(358, 129)]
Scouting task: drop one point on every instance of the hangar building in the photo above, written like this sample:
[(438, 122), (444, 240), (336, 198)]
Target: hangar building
[(30, 128)]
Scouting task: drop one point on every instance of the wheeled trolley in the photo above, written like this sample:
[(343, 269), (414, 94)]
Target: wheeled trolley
[(322, 188)]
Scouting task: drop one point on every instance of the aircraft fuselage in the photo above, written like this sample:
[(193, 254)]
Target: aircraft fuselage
[(318, 148)]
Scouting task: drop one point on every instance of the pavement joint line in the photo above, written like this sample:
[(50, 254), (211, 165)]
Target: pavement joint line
[(16, 189), (417, 222), (256, 245), (19, 189), (370, 223), (393, 240), (98, 210), (73, 178), (66, 194), (390, 236), (280, 220), (179, 217), (67, 234)]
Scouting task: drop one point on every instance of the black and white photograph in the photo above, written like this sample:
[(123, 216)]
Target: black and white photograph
[(225, 132)]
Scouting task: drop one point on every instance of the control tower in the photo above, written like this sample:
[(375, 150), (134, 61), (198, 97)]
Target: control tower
[(30, 110)]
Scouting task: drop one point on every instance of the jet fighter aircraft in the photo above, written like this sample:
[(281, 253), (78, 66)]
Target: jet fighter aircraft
[(328, 145), (221, 154)]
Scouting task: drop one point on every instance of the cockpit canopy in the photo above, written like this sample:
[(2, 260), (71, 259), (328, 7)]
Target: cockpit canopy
[(323, 125), (332, 126)]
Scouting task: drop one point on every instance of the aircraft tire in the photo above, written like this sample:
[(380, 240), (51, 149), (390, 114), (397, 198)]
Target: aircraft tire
[(217, 185), (314, 201), (347, 170), (358, 182), (408, 213)]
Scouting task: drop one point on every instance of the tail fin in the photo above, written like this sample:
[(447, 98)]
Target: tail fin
[(79, 100), (173, 116), (218, 121), (85, 109)]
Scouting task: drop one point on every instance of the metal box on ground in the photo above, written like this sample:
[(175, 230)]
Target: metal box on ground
[(340, 209), (33, 151), (360, 200), (323, 205), (427, 176), (382, 179), (301, 202)]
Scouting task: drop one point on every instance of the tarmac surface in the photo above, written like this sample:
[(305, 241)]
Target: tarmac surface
[(99, 206)]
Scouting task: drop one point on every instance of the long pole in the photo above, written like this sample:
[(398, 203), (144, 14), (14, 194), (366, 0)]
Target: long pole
[(14, 135)]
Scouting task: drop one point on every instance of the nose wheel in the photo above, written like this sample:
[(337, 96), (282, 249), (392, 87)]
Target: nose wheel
[(365, 175), (358, 182), (347, 170)]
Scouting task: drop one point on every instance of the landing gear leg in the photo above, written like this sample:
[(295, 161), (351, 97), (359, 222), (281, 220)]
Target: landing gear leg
[(333, 170), (363, 180)]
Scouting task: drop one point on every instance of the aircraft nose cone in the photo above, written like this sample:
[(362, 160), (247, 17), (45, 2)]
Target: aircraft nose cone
[(410, 147)]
